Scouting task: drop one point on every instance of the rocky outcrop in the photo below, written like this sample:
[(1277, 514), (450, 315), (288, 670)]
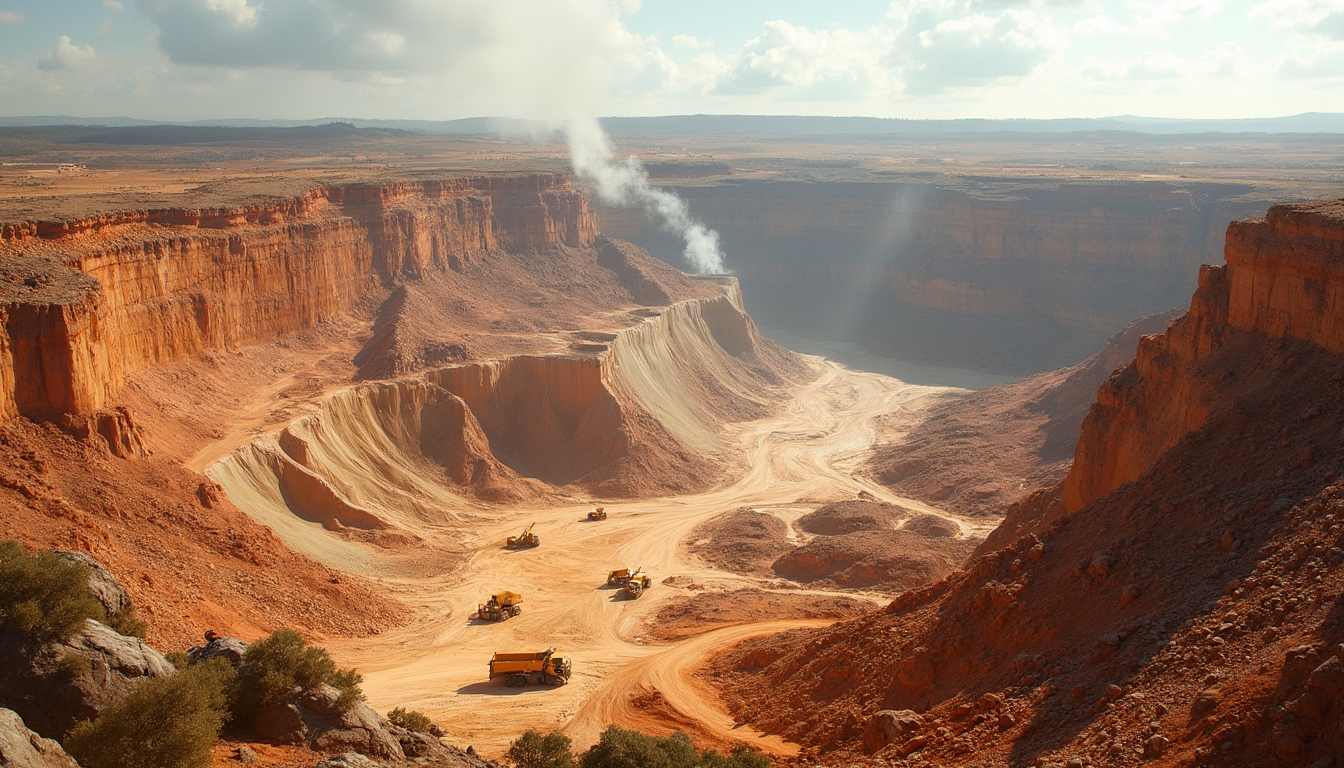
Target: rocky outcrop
[(1281, 281), (86, 303), (21, 748), (102, 584), (62, 683)]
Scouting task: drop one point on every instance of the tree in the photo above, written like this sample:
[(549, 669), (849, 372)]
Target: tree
[(44, 596), (621, 748), (532, 750), (278, 666)]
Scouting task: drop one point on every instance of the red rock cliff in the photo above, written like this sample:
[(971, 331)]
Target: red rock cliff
[(90, 301), (1284, 278)]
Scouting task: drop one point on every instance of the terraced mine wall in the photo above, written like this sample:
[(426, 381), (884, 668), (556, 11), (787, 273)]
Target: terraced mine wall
[(631, 417), (85, 303), (993, 275)]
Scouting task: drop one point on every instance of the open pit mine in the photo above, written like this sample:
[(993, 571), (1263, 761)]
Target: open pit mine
[(375, 419)]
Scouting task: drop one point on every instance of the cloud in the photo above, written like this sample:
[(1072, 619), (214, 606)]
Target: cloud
[(64, 55), (1156, 17), (10, 17), (115, 6), (1317, 17), (786, 55), (687, 41), (937, 51), (1160, 65), (1317, 61)]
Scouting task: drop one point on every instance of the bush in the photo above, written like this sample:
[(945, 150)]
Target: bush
[(275, 667), (43, 596), (409, 719), (620, 748), (72, 665), (127, 623), (532, 750), (167, 722)]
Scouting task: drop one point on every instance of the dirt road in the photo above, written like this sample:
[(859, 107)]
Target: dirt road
[(438, 664)]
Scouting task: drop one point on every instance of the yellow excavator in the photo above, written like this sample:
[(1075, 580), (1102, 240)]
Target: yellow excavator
[(500, 606), (525, 539), (637, 583), (598, 514)]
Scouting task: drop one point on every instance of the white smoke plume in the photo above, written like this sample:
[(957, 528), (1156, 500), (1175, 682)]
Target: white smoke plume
[(625, 184)]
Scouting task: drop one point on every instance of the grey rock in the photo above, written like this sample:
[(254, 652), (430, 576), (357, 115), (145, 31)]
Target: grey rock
[(890, 726), (348, 760), (21, 748), (358, 729), (35, 685), (230, 648), (282, 723), (417, 745), (245, 754), (102, 584)]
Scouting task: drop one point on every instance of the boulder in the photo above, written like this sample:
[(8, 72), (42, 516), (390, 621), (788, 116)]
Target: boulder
[(357, 729), (890, 726), (418, 745), (348, 760), (282, 723), (102, 584), (21, 748), (52, 692), (230, 648)]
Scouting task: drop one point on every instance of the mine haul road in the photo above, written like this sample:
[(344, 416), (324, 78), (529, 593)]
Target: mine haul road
[(437, 664)]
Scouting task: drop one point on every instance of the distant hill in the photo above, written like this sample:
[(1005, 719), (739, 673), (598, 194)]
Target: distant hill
[(762, 125)]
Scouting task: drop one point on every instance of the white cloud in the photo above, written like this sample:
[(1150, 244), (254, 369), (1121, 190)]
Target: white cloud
[(1310, 62), (10, 17), (64, 55), (1320, 17), (1161, 65), (115, 6), (686, 41), (1098, 25), (787, 55), (966, 51), (1157, 17)]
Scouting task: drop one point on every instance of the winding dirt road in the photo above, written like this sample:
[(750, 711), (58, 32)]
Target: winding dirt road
[(438, 664)]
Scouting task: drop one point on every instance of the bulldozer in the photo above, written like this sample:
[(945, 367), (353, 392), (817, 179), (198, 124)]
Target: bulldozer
[(525, 539), (638, 582), (523, 668), (598, 514), (500, 606), (619, 577)]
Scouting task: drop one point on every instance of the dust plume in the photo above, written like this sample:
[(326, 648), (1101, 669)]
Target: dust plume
[(626, 183)]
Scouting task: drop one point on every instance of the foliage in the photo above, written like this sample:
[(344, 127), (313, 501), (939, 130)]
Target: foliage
[(44, 596), (127, 623), (409, 719), (621, 748), (167, 722), (72, 665), (532, 750), (179, 659), (278, 666)]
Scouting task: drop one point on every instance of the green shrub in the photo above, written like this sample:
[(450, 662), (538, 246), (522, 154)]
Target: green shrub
[(43, 596), (277, 666), (179, 659), (167, 722), (127, 623), (409, 719), (532, 750), (621, 748)]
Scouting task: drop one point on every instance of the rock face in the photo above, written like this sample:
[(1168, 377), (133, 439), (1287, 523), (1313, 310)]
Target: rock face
[(21, 748), (102, 583), (50, 697), (1282, 277), (86, 303), (1029, 279)]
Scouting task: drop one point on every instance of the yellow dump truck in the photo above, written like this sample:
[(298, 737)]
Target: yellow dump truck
[(542, 668), (526, 539), (598, 514), (618, 577), (500, 606), (638, 582)]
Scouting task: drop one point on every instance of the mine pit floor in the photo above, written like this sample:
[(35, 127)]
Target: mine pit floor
[(438, 663)]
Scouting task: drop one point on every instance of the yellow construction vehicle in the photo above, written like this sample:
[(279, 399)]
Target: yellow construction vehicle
[(544, 667), (500, 606), (598, 514), (526, 539), (638, 582), (618, 578)]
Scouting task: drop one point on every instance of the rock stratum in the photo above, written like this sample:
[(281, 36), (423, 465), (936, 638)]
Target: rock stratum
[(1174, 601)]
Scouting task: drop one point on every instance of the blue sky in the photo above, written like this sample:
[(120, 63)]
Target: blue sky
[(444, 59)]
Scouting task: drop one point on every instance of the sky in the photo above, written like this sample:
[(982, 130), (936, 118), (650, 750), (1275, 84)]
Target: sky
[(561, 59)]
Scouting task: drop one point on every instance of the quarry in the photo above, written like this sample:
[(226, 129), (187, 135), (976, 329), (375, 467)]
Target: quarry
[(1012, 463)]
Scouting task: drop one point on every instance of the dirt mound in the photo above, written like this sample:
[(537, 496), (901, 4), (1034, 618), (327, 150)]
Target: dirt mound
[(188, 566), (850, 516), (706, 611), (885, 560), (980, 452), (932, 527), (741, 541)]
